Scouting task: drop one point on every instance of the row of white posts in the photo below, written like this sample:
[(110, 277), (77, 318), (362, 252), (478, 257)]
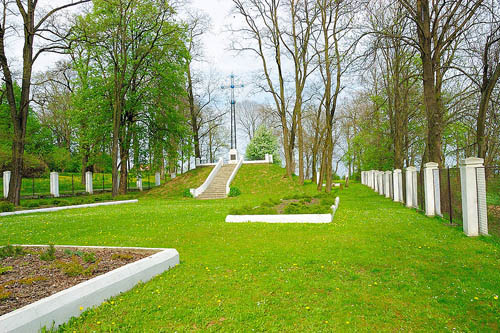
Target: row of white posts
[(473, 189), (54, 183)]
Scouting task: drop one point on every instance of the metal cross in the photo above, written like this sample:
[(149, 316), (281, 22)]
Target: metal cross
[(233, 110)]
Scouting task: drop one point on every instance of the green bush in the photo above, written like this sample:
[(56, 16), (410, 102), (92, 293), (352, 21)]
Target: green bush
[(11, 251), (32, 204), (49, 254), (89, 257), (6, 206), (234, 191), (187, 193)]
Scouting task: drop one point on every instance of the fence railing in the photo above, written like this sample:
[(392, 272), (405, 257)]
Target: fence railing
[(467, 196), (70, 184)]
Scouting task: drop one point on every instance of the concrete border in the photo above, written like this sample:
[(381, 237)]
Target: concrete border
[(286, 218), (57, 309), (55, 209)]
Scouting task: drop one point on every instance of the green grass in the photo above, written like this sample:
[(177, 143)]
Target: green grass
[(69, 182), (378, 267)]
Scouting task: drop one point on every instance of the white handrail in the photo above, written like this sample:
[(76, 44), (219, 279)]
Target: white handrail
[(198, 191), (233, 174)]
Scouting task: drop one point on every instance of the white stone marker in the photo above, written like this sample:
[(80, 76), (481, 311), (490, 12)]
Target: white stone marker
[(469, 182), (197, 161), (388, 175), (375, 181), (437, 192), (430, 204), (139, 183), (6, 183), (381, 182), (396, 175), (173, 175), (372, 179), (157, 179), (411, 187), (88, 182), (54, 184)]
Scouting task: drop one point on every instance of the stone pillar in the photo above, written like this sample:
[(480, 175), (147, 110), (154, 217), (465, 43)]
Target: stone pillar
[(88, 182), (157, 179), (173, 175), (197, 162), (139, 183), (375, 181), (372, 179), (411, 187), (429, 188), (396, 176), (381, 182), (388, 175), (6, 183), (472, 208), (54, 184)]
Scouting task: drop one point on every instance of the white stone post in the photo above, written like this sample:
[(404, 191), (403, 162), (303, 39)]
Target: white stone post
[(411, 187), (375, 181), (429, 191), (197, 162), (396, 176), (6, 183), (381, 182), (88, 182), (54, 184), (372, 179), (157, 179), (173, 175), (472, 199), (139, 183), (388, 175)]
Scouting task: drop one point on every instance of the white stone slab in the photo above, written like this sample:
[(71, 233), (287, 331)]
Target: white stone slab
[(55, 209), (60, 307)]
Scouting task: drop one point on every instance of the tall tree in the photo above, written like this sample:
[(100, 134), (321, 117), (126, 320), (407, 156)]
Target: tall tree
[(38, 24)]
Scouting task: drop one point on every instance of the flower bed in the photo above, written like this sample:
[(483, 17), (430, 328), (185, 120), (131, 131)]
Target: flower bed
[(32, 273)]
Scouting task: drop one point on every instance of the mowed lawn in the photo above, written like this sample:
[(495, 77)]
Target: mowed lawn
[(378, 267)]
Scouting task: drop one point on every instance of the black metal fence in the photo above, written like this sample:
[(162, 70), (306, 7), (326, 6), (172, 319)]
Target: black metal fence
[(493, 199), (450, 195)]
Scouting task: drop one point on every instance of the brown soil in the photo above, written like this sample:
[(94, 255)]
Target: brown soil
[(32, 279), (281, 207)]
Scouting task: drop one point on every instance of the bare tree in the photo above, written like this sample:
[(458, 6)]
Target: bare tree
[(251, 116)]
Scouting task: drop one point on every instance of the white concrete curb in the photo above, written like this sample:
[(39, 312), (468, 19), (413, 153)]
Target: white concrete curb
[(55, 209), (57, 309), (286, 218)]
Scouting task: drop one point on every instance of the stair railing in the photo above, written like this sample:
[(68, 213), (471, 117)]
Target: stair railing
[(233, 174), (198, 191)]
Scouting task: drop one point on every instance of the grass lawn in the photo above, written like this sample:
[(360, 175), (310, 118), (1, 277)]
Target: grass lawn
[(378, 267)]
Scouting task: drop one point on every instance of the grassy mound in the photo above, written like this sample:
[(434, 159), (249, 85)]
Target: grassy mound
[(175, 187)]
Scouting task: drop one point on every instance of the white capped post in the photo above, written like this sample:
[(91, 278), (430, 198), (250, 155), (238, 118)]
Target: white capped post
[(54, 184), (157, 179), (381, 182), (411, 175), (139, 183), (471, 197), (388, 175), (396, 176), (88, 182), (6, 183), (429, 191)]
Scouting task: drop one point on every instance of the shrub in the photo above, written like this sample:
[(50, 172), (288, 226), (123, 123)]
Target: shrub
[(234, 191), (187, 193), (60, 202), (4, 294), (75, 268), (49, 254), (121, 256), (11, 251), (264, 142), (6, 206), (70, 253), (89, 257)]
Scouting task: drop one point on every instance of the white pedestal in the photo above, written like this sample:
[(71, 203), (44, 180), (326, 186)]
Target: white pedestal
[(429, 191), (139, 184), (411, 187), (396, 185), (6, 183), (388, 176), (234, 156), (88, 182), (54, 184), (473, 195), (157, 179)]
